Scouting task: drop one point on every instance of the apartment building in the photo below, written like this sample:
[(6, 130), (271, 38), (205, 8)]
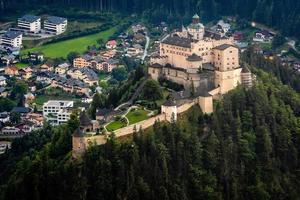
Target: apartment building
[(12, 39), (30, 23), (55, 25), (57, 112)]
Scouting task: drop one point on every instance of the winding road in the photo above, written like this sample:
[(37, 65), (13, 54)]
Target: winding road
[(146, 48)]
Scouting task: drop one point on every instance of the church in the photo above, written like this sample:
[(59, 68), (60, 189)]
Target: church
[(199, 57)]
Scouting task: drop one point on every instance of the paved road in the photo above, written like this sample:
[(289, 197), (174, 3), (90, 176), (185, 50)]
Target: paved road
[(146, 48)]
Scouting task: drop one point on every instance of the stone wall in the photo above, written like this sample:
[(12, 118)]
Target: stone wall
[(143, 124), (184, 107)]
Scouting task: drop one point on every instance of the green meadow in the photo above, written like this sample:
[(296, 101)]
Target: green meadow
[(63, 48)]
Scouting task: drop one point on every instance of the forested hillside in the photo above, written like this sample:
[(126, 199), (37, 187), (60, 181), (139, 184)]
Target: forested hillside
[(248, 149), (281, 14)]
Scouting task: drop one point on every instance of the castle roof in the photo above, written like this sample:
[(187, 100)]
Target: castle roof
[(178, 41), (84, 119), (194, 58), (169, 103), (224, 46), (196, 16), (78, 133)]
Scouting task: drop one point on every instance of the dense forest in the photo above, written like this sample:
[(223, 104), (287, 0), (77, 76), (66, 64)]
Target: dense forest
[(281, 14), (248, 149)]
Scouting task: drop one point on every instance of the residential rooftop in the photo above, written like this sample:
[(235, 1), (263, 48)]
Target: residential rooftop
[(12, 34), (29, 18), (56, 20), (59, 103)]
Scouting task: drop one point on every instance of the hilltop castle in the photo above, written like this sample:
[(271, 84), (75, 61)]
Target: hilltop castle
[(200, 58), (195, 57)]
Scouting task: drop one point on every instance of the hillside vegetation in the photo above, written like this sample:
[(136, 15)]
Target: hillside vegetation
[(248, 149), (280, 14)]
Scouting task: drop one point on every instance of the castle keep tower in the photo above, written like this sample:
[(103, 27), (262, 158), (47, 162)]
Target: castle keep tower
[(78, 137), (78, 143), (169, 108)]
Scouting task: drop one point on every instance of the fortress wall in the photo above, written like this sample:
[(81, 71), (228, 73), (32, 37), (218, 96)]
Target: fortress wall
[(185, 107), (143, 124)]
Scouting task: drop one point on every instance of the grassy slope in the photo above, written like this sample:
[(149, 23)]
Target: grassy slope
[(135, 116), (115, 125), (63, 48)]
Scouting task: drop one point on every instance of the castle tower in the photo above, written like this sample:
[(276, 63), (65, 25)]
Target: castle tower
[(227, 68), (86, 124), (78, 137), (196, 29), (78, 143), (169, 108), (196, 19)]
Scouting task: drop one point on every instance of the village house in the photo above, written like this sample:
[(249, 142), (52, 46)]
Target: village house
[(26, 73), (9, 59), (57, 112), (223, 27), (70, 85), (11, 71), (46, 67), (2, 81), (45, 77), (62, 68), (111, 44), (101, 64), (263, 36), (86, 74), (4, 117), (30, 23), (23, 111), (36, 57), (12, 39), (35, 118), (11, 132), (3, 92), (138, 28), (55, 25), (106, 55), (238, 35)]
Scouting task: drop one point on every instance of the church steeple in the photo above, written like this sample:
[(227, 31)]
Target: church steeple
[(196, 19)]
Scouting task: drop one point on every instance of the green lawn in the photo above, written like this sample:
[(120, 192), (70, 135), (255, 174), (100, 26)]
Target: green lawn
[(63, 48), (115, 125), (21, 65), (138, 115)]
